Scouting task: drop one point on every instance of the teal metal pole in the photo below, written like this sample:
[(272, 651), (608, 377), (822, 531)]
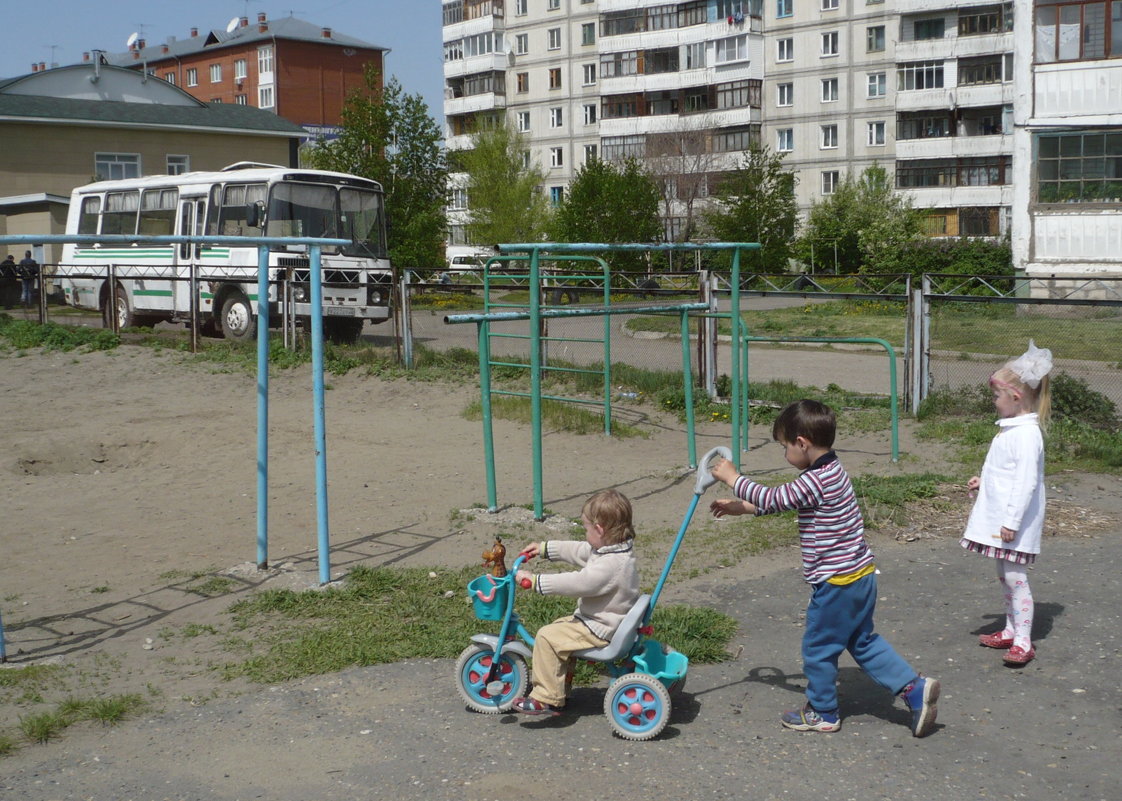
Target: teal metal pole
[(737, 389), (687, 388), (484, 339), (536, 380), (320, 424), (607, 349), (262, 407)]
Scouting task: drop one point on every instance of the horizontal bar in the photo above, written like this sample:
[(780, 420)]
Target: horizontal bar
[(587, 247), (452, 319)]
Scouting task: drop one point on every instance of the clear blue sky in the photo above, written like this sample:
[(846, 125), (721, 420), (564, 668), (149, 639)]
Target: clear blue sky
[(60, 31)]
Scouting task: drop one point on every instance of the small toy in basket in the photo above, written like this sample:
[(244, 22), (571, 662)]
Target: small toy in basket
[(495, 558)]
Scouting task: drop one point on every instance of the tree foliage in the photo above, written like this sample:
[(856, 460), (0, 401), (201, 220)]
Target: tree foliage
[(610, 203), (505, 200), (681, 162), (756, 203), (388, 135), (865, 223)]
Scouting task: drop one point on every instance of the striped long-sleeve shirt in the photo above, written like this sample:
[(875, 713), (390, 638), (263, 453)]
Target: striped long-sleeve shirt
[(831, 529)]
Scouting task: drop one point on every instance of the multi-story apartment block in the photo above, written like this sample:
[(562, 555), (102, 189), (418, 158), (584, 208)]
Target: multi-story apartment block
[(954, 98), (1067, 200), (678, 85), (298, 70)]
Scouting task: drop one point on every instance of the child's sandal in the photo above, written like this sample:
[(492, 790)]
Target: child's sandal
[(532, 706)]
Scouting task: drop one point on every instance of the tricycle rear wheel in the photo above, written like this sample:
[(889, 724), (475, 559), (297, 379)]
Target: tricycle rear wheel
[(637, 706)]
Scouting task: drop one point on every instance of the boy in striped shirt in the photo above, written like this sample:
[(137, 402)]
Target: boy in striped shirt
[(837, 564)]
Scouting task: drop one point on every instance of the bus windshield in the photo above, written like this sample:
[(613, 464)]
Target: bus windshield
[(303, 210), (363, 223)]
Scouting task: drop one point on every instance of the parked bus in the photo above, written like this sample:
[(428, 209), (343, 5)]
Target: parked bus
[(243, 199)]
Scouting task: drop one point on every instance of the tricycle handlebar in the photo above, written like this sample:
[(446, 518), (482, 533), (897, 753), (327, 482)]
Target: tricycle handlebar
[(704, 477)]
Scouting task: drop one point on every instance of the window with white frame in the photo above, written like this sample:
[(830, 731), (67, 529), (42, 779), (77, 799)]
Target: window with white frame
[(520, 7), (830, 43), (919, 75), (556, 117), (525, 159), (553, 5), (829, 137), (170, 77), (522, 44), (588, 33), (523, 121), (829, 182), (695, 56), (829, 5), (555, 78), (553, 36), (556, 195), (785, 140), (114, 166), (459, 199), (240, 69), (265, 60), (589, 113), (177, 165), (557, 157), (875, 132), (589, 153), (732, 48), (784, 94), (784, 8), (522, 82), (192, 76), (589, 73), (265, 97), (829, 90), (785, 49), (877, 84), (216, 73), (241, 100)]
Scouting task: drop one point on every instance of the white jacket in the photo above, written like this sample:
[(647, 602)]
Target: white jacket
[(1011, 492)]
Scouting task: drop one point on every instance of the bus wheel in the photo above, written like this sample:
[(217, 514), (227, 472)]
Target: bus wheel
[(342, 331), (237, 321), (564, 296), (125, 316)]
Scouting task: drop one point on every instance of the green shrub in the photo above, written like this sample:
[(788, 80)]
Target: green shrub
[(1073, 399)]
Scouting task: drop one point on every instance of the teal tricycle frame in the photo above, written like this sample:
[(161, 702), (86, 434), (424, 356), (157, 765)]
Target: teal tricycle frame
[(492, 673)]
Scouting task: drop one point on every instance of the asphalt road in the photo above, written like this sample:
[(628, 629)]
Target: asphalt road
[(1048, 731)]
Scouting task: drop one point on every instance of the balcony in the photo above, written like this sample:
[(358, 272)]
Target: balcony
[(473, 104), (1078, 93), (937, 197), (952, 46)]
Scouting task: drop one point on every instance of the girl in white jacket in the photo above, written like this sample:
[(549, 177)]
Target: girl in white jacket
[(1008, 516)]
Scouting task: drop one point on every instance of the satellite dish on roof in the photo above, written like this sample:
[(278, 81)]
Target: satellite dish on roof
[(133, 37), (232, 25)]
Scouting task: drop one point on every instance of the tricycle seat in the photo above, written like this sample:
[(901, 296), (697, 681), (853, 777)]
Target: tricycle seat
[(624, 638)]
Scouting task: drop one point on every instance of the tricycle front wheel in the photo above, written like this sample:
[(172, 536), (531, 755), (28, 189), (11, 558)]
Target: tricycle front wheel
[(473, 670)]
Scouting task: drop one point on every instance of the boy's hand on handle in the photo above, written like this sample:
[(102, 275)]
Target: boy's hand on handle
[(531, 550), (731, 506), (1007, 534), (725, 471), (525, 579)]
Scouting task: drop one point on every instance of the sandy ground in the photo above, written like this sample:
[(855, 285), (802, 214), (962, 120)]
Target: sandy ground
[(129, 481)]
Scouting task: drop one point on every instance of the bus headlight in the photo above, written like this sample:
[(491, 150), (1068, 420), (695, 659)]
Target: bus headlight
[(299, 293), (375, 296)]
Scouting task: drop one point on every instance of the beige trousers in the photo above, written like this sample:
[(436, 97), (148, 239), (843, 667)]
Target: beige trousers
[(554, 645)]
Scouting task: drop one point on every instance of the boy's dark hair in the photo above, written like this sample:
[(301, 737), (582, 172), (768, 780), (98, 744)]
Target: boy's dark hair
[(810, 419), (612, 510)]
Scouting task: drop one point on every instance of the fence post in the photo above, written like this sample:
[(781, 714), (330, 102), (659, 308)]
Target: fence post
[(193, 287), (405, 311), (111, 301)]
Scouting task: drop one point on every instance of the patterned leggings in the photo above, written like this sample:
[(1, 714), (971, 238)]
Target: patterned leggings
[(1018, 602)]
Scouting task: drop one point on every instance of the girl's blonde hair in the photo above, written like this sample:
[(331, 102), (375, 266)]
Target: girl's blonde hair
[(610, 510), (1039, 398)]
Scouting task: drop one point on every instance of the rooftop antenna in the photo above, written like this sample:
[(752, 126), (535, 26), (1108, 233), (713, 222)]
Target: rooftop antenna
[(52, 62), (232, 25)]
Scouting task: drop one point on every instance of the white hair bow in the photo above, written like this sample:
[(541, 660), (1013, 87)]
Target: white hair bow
[(1033, 365)]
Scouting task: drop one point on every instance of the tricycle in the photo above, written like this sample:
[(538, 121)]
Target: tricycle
[(492, 672)]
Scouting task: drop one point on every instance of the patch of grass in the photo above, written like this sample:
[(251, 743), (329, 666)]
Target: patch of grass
[(192, 630), (42, 727), (884, 499), (24, 334), (556, 415), (213, 586), (112, 710), (7, 745), (33, 678), (381, 615)]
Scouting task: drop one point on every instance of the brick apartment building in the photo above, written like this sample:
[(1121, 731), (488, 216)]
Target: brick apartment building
[(298, 70)]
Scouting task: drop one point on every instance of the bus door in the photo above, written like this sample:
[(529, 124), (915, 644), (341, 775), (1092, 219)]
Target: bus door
[(192, 216)]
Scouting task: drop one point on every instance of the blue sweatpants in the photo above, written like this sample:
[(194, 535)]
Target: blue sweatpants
[(840, 618)]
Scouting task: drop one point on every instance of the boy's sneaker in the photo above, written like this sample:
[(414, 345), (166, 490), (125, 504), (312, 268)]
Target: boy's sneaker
[(920, 696), (808, 719)]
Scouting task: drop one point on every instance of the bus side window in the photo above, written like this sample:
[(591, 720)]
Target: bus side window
[(91, 214), (120, 213)]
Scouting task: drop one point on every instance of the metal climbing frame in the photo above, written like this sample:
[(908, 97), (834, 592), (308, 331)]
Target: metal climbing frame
[(536, 315)]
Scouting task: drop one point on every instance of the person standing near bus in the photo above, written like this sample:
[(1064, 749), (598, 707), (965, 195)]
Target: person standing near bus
[(28, 272)]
